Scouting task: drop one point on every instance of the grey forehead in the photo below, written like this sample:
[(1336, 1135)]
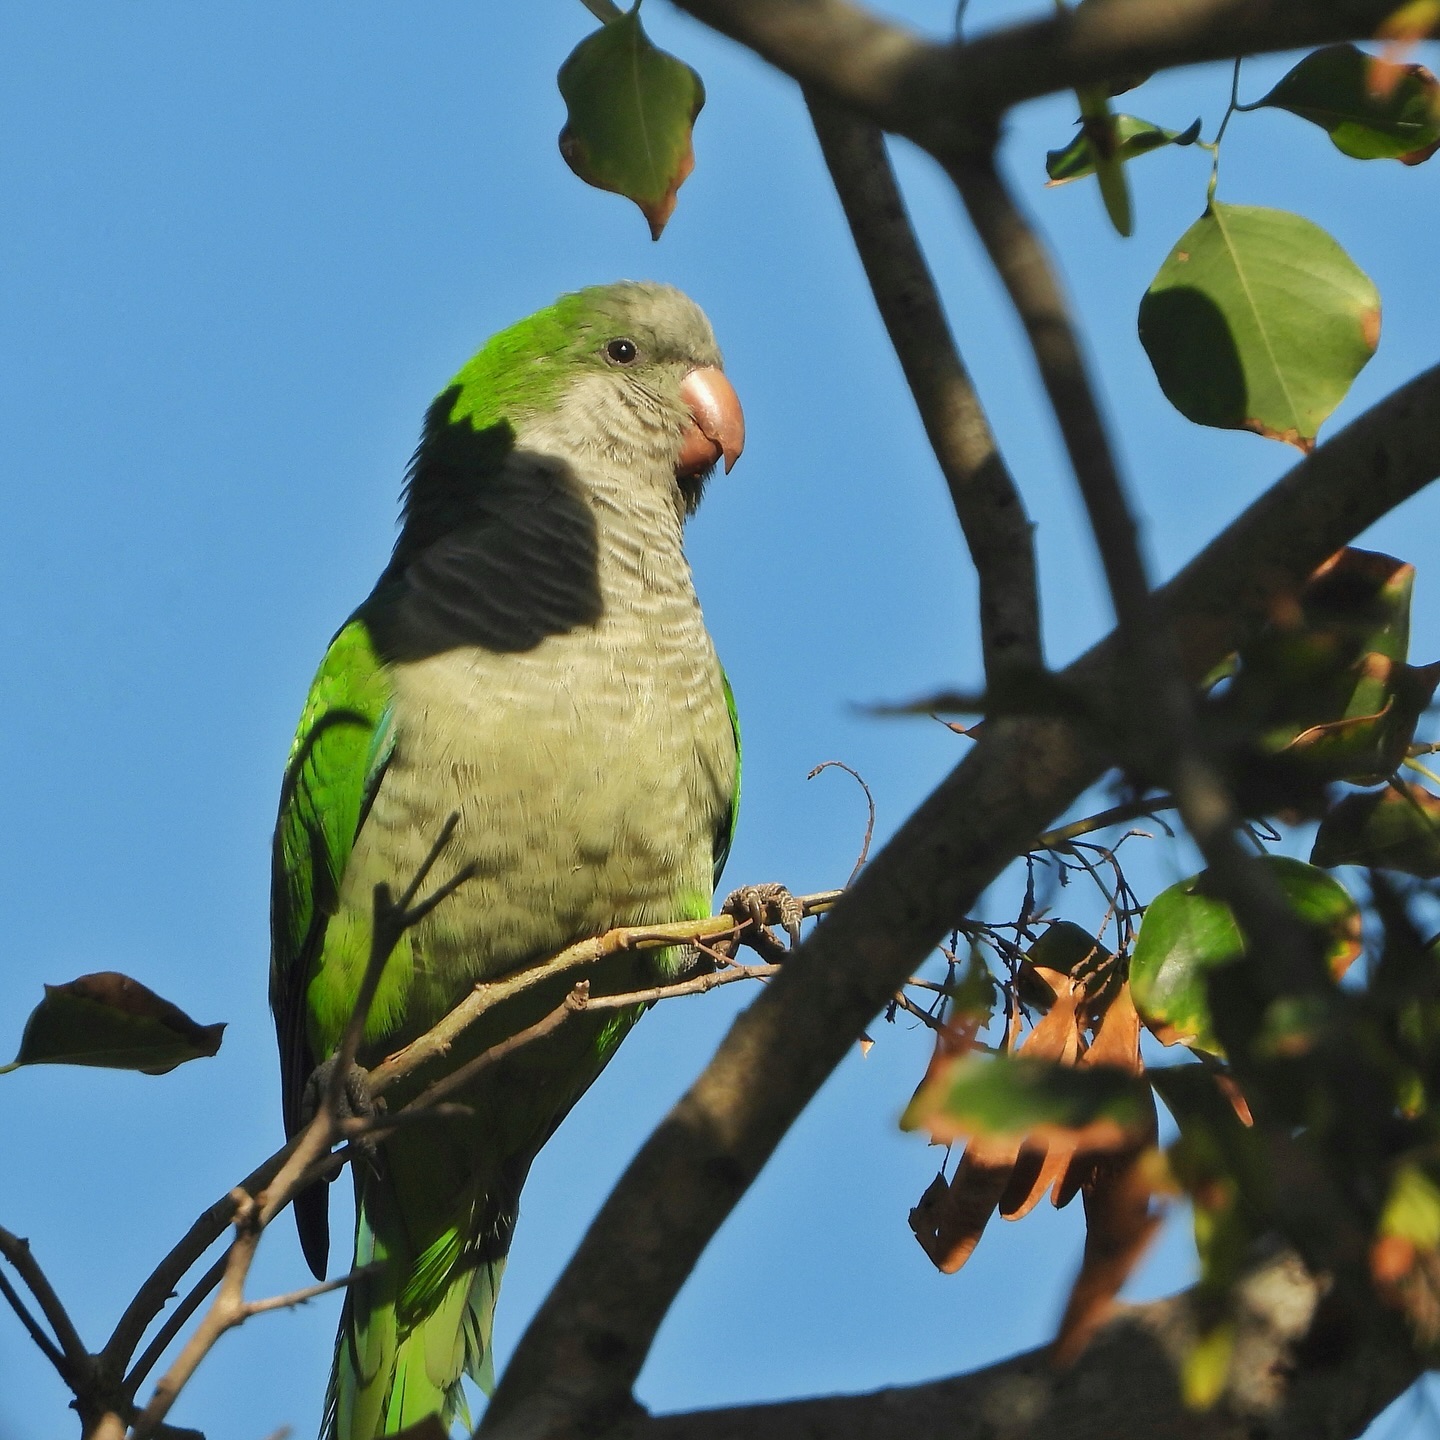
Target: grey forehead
[(665, 317)]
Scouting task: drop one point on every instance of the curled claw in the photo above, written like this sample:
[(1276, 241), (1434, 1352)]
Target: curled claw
[(355, 1102), (763, 906)]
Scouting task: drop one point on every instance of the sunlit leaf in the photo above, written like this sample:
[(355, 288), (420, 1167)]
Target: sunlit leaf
[(110, 1020), (631, 109), (1004, 1095), (1133, 138), (1206, 1367), (1335, 89), (1259, 321), (1397, 828), (1189, 932)]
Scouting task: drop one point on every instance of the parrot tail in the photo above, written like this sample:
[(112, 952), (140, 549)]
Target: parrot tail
[(412, 1329)]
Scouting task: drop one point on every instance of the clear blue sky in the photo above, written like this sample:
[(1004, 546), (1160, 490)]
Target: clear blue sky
[(241, 246)]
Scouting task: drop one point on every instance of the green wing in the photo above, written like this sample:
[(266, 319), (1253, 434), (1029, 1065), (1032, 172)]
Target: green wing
[(335, 766), (725, 837)]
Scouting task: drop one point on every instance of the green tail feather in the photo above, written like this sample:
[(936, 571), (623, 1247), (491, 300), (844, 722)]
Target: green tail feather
[(411, 1332)]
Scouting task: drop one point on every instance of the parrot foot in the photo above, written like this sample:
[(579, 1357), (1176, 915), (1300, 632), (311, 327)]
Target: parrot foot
[(355, 1101), (764, 906)]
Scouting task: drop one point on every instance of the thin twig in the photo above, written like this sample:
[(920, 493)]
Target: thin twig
[(308, 1293), (173, 1323), (46, 1345), (17, 1252), (870, 803), (1116, 815), (389, 922)]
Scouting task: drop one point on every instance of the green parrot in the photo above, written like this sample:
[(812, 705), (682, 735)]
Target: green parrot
[(533, 660)]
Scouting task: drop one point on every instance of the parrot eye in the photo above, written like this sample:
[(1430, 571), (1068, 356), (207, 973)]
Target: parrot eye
[(622, 352)]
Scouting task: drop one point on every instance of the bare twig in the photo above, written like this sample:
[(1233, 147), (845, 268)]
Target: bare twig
[(986, 500), (870, 805), (578, 1359), (1117, 814), (71, 1347), (174, 1322), (283, 1175), (45, 1344), (389, 922), (229, 1310)]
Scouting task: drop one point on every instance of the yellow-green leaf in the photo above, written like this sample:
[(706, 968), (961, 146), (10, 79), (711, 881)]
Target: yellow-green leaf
[(1097, 1108)]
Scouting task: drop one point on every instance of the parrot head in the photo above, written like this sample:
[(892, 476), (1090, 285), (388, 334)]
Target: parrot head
[(627, 372)]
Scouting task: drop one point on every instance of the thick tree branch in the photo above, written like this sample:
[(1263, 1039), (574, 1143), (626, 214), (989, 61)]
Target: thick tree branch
[(576, 1364), (991, 513), (947, 97), (1285, 1387)]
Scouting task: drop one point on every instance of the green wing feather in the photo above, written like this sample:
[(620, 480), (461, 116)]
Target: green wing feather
[(725, 836), (336, 762)]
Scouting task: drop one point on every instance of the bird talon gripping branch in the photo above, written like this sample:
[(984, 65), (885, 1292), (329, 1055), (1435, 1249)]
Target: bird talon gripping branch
[(765, 905)]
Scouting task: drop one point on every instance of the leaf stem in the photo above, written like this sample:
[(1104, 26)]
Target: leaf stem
[(603, 10), (1214, 145)]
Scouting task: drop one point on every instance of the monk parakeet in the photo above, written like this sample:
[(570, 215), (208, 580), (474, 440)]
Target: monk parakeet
[(534, 660)]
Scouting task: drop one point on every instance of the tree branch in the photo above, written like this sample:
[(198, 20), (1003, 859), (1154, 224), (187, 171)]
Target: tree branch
[(578, 1360), (72, 1352), (947, 97), (991, 512), (1165, 715), (1125, 1384)]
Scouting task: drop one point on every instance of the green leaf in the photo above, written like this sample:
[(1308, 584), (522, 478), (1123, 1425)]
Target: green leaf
[(1007, 1096), (1325, 685), (1133, 138), (1189, 932), (1068, 948), (1259, 321), (631, 108), (110, 1020), (1397, 828), (1369, 112), (1098, 124), (1064, 948)]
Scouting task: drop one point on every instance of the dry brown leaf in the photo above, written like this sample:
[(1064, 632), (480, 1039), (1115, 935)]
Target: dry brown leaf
[(950, 1219), (1116, 1043), (1119, 1225), (1055, 1037)]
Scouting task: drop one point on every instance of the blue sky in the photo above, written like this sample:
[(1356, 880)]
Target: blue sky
[(240, 249)]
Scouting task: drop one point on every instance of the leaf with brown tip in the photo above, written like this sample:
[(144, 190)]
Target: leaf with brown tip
[(109, 1020), (631, 108)]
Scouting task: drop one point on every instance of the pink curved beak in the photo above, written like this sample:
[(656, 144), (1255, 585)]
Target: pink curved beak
[(718, 425)]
